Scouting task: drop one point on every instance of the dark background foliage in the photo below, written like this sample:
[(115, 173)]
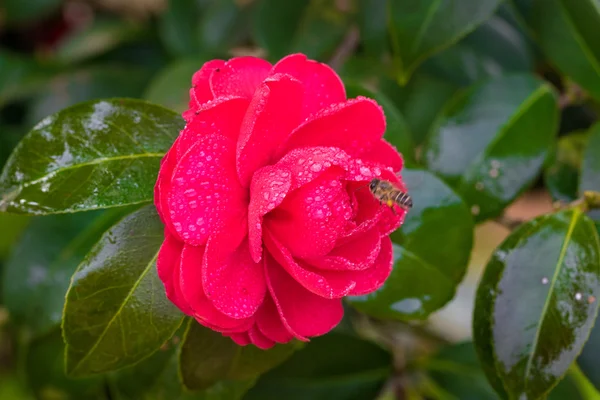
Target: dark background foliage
[(494, 105)]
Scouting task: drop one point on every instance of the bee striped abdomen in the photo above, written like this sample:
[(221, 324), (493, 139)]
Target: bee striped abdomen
[(403, 200)]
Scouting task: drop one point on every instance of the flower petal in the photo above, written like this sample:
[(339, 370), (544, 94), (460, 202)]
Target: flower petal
[(200, 92), (205, 193), (328, 284), (310, 219), (373, 278), (302, 312), (269, 322), (175, 294), (240, 76), (259, 340), (321, 84), (355, 253), (162, 187), (272, 115), (193, 291), (383, 153), (269, 187), (354, 126), (242, 338), (168, 257), (232, 281)]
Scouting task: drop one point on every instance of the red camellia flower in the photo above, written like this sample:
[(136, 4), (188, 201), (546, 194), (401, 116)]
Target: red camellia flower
[(269, 220)]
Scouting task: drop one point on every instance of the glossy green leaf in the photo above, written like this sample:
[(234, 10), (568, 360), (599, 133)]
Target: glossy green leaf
[(396, 129), (567, 32), (312, 27), (93, 83), (97, 38), (588, 359), (563, 170), (93, 155), (492, 141), (334, 366), (45, 371), (116, 312), (171, 87), (590, 169), (421, 29), (434, 245), (222, 359), (38, 273), (177, 27), (552, 265), (17, 11)]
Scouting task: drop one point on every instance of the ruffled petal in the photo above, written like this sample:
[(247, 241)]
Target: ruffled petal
[(232, 281), (240, 76), (354, 126), (355, 253), (310, 219), (242, 338), (302, 312), (269, 322), (383, 153), (193, 291), (260, 340), (205, 193), (322, 85), (269, 187), (272, 115), (200, 92), (328, 284), (176, 294), (162, 187), (373, 278)]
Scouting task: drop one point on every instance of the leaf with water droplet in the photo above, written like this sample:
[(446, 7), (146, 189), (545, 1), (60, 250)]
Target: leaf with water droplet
[(526, 350), (431, 255), (97, 154)]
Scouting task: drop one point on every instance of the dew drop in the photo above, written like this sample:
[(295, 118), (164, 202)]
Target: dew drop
[(192, 228), (578, 296), (316, 167), (544, 281), (475, 209), (494, 173)]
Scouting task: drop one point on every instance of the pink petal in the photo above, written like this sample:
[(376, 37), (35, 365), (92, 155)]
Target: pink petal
[(259, 340), (384, 153), (168, 257), (205, 193), (373, 278), (302, 312), (310, 219), (232, 281), (162, 187), (354, 126), (328, 284), (200, 92), (269, 187), (269, 322), (240, 76), (272, 115), (176, 294), (242, 339), (321, 84), (193, 291), (355, 253), (222, 116)]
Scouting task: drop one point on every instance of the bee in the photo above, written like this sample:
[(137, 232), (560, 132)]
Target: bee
[(386, 192)]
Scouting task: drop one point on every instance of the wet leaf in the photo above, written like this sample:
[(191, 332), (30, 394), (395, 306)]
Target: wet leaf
[(396, 129), (563, 170), (551, 264), (421, 29), (492, 141), (116, 312), (567, 32), (38, 273), (590, 168), (222, 359), (93, 155), (334, 366), (434, 245)]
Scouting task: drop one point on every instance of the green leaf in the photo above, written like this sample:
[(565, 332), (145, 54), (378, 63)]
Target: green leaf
[(93, 155), (20, 76), (536, 303), (567, 32), (371, 17), (312, 27), (171, 87), (38, 273), (12, 227), (17, 11), (222, 24), (421, 29), (99, 37), (492, 141), (435, 243), (44, 368), (177, 27), (396, 131), (222, 359), (588, 359), (334, 366), (11, 388), (562, 173), (94, 83), (590, 168), (116, 312)]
